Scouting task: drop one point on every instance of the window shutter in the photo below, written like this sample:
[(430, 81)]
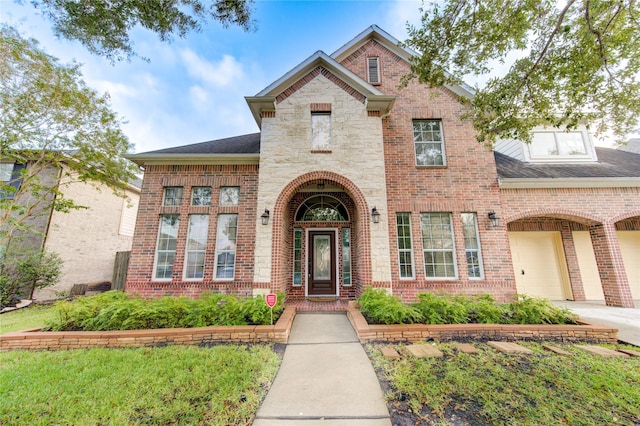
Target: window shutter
[(373, 70)]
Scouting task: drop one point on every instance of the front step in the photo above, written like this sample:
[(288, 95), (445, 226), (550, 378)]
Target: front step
[(322, 298), (319, 304)]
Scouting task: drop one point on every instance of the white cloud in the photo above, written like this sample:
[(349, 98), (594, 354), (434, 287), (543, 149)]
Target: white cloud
[(219, 74), (399, 14), (198, 95)]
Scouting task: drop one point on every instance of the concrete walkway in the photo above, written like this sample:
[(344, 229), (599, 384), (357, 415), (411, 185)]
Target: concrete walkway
[(626, 320), (325, 378)]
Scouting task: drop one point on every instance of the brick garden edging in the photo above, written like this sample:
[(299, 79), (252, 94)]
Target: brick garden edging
[(34, 339), (583, 332)]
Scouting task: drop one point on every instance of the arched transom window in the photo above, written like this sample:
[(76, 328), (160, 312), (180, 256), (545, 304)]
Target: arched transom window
[(322, 208)]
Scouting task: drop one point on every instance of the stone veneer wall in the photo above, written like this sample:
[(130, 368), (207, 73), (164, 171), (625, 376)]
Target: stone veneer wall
[(356, 155), (139, 278)]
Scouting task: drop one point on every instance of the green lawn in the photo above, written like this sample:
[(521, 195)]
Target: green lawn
[(492, 388), (30, 317), (221, 385)]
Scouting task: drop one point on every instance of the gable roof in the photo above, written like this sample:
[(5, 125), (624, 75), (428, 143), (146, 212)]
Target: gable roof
[(394, 45), (239, 149), (265, 100), (613, 168)]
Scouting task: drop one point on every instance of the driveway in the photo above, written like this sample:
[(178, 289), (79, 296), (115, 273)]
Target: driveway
[(626, 320)]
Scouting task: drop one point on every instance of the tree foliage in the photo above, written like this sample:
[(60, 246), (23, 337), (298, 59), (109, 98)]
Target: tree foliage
[(21, 275), (52, 122), (104, 26), (578, 61)]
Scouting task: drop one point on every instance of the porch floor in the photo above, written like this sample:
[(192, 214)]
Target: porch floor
[(311, 305)]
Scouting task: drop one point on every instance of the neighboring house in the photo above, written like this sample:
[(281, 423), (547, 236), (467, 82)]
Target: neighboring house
[(86, 239), (354, 182)]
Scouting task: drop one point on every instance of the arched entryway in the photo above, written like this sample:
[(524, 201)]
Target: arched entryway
[(321, 238)]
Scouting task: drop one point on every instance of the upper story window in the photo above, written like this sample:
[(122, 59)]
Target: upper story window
[(429, 143), (6, 170), (373, 70), (321, 131), (558, 145), (11, 177), (172, 196), (201, 196)]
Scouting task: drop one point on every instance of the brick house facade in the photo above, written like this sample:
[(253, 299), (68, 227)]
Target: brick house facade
[(363, 183)]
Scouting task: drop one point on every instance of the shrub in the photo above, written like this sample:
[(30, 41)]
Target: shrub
[(378, 307), (442, 308), (534, 310), (115, 310), (483, 309)]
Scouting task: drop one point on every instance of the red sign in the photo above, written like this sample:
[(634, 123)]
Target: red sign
[(271, 299)]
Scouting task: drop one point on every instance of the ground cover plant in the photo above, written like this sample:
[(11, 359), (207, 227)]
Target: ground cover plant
[(219, 385), (115, 310), (378, 307), (493, 388), (20, 319)]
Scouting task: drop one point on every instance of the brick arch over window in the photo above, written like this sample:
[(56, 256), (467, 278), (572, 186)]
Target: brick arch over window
[(362, 271), (567, 214)]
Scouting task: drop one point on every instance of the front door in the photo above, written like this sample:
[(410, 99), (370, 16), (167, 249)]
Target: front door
[(322, 263)]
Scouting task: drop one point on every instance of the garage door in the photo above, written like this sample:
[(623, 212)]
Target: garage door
[(630, 248), (588, 266), (539, 265)]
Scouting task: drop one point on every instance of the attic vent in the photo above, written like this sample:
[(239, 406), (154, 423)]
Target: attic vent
[(373, 70)]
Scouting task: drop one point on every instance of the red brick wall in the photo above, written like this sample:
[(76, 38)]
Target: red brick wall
[(598, 210), (468, 182), (139, 278)]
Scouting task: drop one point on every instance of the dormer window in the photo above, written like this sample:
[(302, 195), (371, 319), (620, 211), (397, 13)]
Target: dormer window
[(373, 70), (559, 146)]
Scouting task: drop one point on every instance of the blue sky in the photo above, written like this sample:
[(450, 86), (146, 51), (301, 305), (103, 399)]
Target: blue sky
[(193, 89)]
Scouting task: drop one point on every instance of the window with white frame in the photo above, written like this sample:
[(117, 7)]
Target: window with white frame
[(297, 256), (429, 143), (201, 196), (196, 246), (373, 69), (405, 245), (346, 257), (226, 246), (438, 245), (554, 145), (172, 196), (472, 244), (320, 131), (166, 247)]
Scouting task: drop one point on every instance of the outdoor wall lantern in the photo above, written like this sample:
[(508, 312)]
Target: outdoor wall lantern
[(495, 220), (265, 217), (375, 215)]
